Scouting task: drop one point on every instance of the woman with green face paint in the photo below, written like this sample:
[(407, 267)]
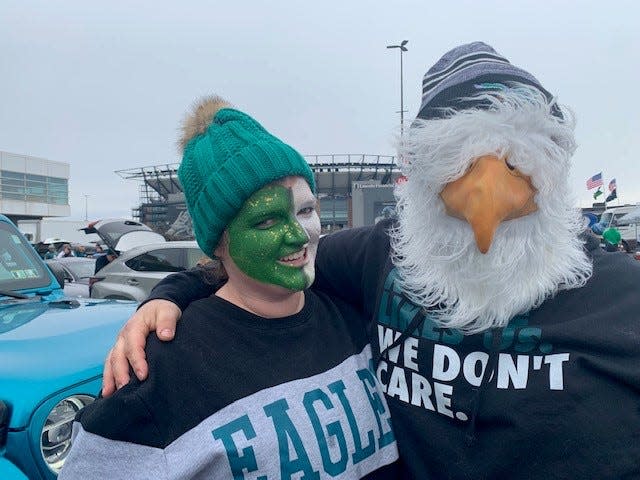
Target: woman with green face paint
[(268, 250), (266, 378)]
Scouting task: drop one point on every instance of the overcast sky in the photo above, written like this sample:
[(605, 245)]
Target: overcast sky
[(104, 85)]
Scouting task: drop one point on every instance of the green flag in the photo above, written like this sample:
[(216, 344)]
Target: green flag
[(597, 193)]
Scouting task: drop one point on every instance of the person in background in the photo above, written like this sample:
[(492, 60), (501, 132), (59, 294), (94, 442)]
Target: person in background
[(507, 343), (264, 366), (105, 259), (612, 238), (50, 253), (65, 251)]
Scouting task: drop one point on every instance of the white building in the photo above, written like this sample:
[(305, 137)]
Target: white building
[(33, 187)]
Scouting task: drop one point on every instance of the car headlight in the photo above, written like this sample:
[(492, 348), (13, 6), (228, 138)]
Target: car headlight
[(55, 441)]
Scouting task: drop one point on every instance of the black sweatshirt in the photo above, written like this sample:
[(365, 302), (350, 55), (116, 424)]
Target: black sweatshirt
[(561, 397), (236, 395)]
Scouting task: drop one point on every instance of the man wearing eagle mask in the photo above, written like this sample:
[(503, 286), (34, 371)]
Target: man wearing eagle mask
[(507, 342)]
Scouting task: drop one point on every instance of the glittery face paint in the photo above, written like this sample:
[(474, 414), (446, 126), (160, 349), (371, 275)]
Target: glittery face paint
[(274, 237)]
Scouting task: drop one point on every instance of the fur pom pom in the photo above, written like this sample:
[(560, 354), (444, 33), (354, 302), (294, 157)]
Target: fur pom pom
[(198, 120)]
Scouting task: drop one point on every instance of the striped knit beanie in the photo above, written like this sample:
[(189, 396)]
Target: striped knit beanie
[(226, 157), (460, 78)]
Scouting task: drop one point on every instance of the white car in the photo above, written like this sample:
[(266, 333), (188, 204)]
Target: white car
[(135, 272), (77, 272), (625, 219)]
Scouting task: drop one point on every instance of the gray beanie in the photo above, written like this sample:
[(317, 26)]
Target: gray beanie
[(466, 72)]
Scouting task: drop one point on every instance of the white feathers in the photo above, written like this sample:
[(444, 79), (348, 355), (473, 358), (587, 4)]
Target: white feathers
[(200, 117), (531, 258)]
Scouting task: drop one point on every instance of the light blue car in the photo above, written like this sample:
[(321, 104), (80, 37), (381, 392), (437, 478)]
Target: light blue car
[(52, 351)]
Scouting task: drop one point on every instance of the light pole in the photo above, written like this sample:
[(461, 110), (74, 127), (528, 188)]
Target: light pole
[(402, 49), (86, 210)]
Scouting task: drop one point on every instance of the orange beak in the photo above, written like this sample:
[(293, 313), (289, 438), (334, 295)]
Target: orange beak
[(488, 194)]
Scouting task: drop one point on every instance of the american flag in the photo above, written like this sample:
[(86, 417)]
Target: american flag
[(595, 181), (612, 185)]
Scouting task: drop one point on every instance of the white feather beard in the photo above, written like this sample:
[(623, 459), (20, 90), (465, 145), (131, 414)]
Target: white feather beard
[(531, 258)]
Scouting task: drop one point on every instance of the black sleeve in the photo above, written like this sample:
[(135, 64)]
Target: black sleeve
[(122, 417), (182, 288), (116, 438), (349, 261)]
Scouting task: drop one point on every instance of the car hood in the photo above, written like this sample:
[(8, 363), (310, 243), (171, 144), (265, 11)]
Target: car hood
[(48, 346)]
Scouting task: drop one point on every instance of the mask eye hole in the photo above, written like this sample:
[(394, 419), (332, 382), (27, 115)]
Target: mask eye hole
[(509, 166)]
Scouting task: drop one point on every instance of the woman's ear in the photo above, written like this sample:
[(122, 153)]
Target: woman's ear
[(222, 250)]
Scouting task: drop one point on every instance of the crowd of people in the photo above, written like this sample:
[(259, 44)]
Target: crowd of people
[(102, 255), (73, 250)]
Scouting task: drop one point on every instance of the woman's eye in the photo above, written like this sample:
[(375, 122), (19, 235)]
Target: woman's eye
[(268, 223), (306, 211)]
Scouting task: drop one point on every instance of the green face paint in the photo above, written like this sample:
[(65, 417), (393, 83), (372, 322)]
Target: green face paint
[(267, 240)]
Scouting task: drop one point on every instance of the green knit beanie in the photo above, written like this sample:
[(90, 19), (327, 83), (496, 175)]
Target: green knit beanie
[(226, 157)]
